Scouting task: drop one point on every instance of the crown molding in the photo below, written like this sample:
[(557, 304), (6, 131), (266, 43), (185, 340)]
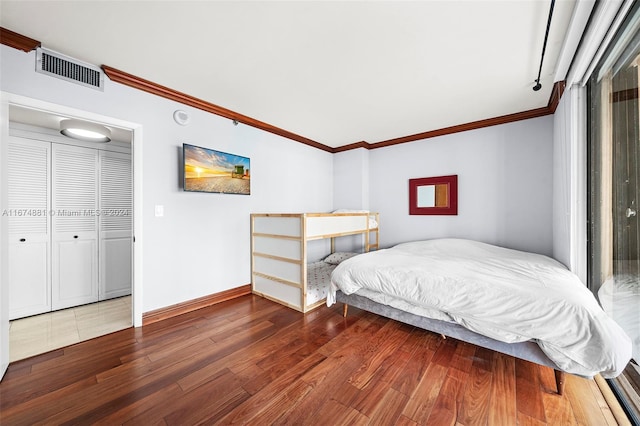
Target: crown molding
[(356, 145), (17, 41), (167, 93), (150, 87), (524, 115), (556, 94)]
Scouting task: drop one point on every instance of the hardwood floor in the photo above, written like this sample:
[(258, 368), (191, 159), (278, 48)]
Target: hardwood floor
[(252, 361)]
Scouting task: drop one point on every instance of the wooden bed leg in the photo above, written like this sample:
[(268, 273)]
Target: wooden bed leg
[(559, 381), (345, 308)]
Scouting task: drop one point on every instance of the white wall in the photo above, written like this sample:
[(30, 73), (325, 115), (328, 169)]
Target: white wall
[(504, 186), (201, 245), (351, 179)]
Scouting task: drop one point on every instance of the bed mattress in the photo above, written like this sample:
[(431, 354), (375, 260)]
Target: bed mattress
[(507, 295), (318, 279)]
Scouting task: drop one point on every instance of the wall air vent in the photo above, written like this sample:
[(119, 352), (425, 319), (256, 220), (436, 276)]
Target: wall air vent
[(69, 69)]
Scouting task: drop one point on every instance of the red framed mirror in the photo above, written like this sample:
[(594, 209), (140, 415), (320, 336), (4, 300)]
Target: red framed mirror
[(433, 195)]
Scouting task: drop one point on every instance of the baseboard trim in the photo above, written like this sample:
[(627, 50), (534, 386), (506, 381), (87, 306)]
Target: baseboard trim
[(194, 304)]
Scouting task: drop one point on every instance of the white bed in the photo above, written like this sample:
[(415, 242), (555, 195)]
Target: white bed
[(507, 295)]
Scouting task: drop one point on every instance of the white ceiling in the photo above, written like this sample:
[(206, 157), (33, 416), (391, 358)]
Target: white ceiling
[(336, 72), (47, 120)]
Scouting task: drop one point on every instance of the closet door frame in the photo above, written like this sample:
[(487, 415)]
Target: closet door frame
[(11, 100)]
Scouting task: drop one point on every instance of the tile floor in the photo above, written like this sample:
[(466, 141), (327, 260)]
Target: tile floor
[(42, 333)]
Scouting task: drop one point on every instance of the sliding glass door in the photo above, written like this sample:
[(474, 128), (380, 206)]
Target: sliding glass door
[(614, 193)]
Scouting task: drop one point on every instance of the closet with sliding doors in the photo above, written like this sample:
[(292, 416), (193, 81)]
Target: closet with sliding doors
[(69, 221)]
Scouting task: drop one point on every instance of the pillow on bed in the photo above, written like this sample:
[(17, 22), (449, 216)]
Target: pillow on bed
[(337, 257)]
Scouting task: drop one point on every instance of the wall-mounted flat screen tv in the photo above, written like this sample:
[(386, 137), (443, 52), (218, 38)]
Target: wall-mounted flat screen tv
[(208, 170)]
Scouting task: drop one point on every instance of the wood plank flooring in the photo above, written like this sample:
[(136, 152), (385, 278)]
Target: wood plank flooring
[(252, 361)]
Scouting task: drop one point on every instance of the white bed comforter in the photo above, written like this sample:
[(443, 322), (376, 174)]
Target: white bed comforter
[(508, 295)]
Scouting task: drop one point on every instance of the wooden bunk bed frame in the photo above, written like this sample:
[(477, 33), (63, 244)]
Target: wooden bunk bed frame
[(279, 250)]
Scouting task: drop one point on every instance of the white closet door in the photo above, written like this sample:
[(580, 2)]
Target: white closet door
[(75, 226), (116, 214), (29, 227)]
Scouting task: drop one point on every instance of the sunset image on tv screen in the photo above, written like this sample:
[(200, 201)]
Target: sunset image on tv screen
[(207, 170)]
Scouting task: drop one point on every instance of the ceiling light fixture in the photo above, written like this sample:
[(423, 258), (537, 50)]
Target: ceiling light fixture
[(85, 131)]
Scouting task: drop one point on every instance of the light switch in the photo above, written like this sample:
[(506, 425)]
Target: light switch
[(159, 211)]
